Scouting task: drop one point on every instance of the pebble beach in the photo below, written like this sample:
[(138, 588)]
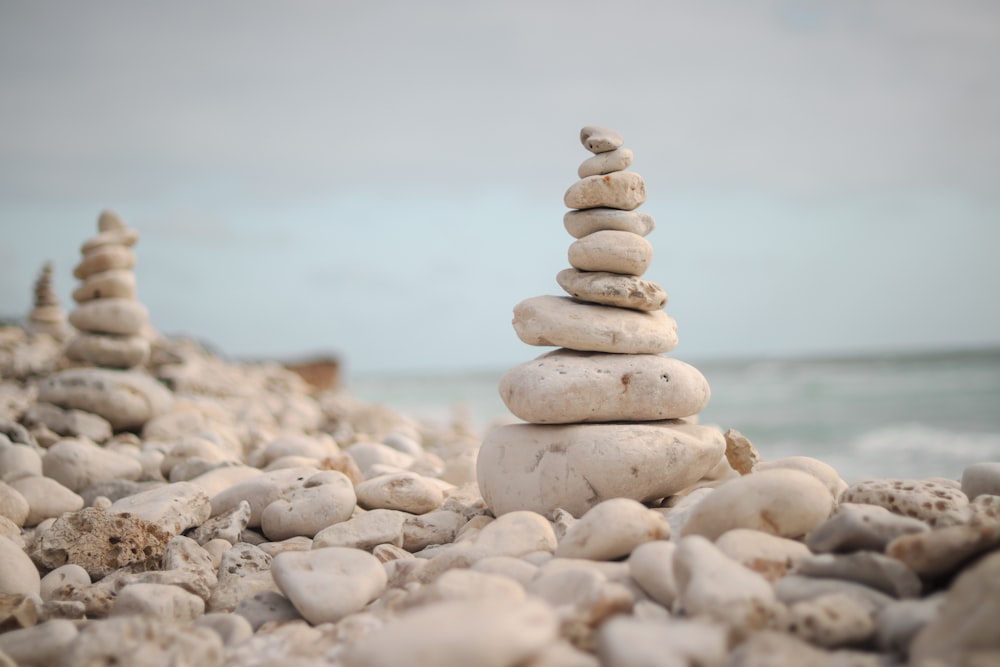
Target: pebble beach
[(161, 504)]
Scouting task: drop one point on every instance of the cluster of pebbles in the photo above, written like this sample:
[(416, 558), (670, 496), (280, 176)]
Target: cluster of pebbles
[(609, 415), (204, 512)]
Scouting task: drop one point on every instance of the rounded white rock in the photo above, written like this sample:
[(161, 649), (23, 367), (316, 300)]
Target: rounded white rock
[(612, 251), (575, 466), (612, 289), (126, 399), (79, 464), (604, 163), (568, 387), (651, 566), (326, 498), (624, 190), (405, 491), (587, 327), (125, 317), (109, 351), (46, 497), (612, 529), (104, 258), (113, 284), (327, 584), (17, 573), (13, 505)]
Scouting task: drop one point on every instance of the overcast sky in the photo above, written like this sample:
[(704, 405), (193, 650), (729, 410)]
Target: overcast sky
[(384, 180)]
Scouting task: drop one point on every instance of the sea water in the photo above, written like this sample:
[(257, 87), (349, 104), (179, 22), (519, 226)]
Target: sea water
[(911, 416)]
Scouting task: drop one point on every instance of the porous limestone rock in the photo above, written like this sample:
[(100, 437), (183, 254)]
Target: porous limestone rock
[(928, 500), (623, 190), (612, 289)]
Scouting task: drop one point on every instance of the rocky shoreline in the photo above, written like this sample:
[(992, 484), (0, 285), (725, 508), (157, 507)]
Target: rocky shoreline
[(161, 505)]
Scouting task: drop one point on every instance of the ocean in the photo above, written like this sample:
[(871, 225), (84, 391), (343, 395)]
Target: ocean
[(911, 416)]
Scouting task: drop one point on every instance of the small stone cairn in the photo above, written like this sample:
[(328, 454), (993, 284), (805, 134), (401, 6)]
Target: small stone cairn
[(110, 320), (47, 316), (609, 415)]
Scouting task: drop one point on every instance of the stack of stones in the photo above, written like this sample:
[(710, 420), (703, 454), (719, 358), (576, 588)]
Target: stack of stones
[(609, 415), (110, 320), (47, 316)]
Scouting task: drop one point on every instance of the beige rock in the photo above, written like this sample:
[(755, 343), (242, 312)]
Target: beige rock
[(364, 531), (110, 221), (109, 351), (326, 498), (17, 573), (436, 527), (144, 640), (981, 479), (46, 497), (13, 505), (868, 568), (568, 387), (124, 237), (574, 467), (612, 289), (631, 642), (604, 163), (407, 492), (327, 584), (831, 620), (114, 284), (70, 574), (623, 190), (162, 601), (768, 555), (125, 317), (564, 322), (824, 472), (39, 645), (857, 527), (612, 529), (126, 399), (19, 460), (740, 453), (943, 550), (611, 251), (260, 491), (104, 258), (173, 507), (79, 464), (587, 221), (651, 566), (597, 139), (932, 501), (760, 501)]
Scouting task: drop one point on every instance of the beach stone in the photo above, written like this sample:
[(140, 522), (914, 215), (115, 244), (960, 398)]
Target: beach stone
[(759, 501), (101, 542), (13, 505), (981, 479), (19, 460), (586, 222), (368, 454), (883, 573), (125, 237), (582, 598), (243, 570), (435, 527), (124, 317), (329, 583), (485, 633), (79, 464), (932, 501), (190, 447), (941, 551), (232, 629), (515, 534), (624, 190), (897, 623), (824, 472), (162, 601), (71, 423), (832, 620), (712, 584), (293, 445), (144, 641), (406, 492), (217, 480), (597, 139), (17, 573), (325, 498), (40, 645), (574, 467), (570, 387), (631, 642), (126, 399), (965, 632), (612, 529), (565, 322), (612, 289), (70, 574), (114, 284), (227, 526), (611, 251), (768, 555), (465, 584), (47, 498), (604, 163), (104, 258), (266, 607), (855, 527), (261, 490), (513, 568), (795, 588), (651, 566), (173, 507), (109, 221), (364, 531), (108, 350)]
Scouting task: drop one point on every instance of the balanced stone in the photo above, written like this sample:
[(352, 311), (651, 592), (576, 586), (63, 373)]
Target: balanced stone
[(104, 258), (109, 350), (121, 237), (114, 284), (623, 190), (611, 251), (576, 466), (604, 163), (126, 399), (612, 289), (47, 316), (565, 386), (588, 221), (597, 139), (114, 316), (563, 322)]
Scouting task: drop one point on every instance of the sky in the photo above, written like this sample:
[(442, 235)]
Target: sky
[(383, 181)]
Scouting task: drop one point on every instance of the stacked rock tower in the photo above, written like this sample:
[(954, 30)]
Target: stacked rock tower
[(110, 320), (47, 316), (609, 414)]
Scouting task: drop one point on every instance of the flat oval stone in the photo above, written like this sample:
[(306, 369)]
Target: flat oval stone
[(597, 139), (13, 505), (588, 221), (612, 251), (78, 464), (46, 497), (624, 190), (406, 491), (114, 284), (17, 573), (104, 258), (124, 237), (126, 399), (109, 351), (760, 501), (114, 316), (568, 387), (574, 467), (612, 529), (327, 584), (604, 163), (768, 555), (326, 498), (564, 322), (651, 566), (612, 289), (160, 600), (364, 531)]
